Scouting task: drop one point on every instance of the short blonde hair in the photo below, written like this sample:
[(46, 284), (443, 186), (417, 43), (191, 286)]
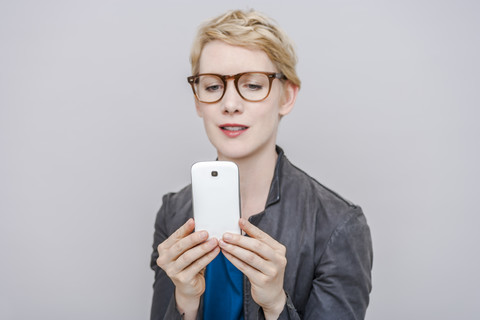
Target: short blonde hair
[(248, 29)]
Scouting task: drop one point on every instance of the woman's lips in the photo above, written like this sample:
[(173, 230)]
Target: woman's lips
[(233, 130)]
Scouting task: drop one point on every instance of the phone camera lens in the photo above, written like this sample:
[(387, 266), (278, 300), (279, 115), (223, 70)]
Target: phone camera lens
[(214, 173)]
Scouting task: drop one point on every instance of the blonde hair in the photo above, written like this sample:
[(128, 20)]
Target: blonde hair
[(248, 29)]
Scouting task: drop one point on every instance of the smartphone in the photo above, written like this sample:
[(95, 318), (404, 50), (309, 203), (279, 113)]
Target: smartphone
[(216, 197)]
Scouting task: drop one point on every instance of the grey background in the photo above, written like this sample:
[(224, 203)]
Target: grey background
[(97, 122)]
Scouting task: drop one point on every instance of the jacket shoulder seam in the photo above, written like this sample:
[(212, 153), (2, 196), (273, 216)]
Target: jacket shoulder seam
[(338, 196)]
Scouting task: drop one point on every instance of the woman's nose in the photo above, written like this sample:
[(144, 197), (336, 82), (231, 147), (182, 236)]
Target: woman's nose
[(232, 102)]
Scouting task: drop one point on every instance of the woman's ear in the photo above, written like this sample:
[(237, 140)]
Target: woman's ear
[(199, 110), (290, 92)]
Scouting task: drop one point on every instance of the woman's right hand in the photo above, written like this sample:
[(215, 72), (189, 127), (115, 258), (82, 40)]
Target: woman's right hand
[(183, 257)]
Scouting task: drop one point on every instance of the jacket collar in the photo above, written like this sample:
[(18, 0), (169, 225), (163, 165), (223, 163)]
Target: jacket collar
[(274, 193)]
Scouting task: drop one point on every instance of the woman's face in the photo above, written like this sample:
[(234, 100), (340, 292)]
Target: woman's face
[(239, 129)]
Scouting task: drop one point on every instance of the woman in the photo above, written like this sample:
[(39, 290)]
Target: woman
[(308, 252)]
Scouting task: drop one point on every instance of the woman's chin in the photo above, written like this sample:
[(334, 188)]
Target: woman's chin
[(231, 155), (238, 152)]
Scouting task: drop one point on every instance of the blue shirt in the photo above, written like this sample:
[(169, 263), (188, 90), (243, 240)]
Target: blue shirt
[(223, 298)]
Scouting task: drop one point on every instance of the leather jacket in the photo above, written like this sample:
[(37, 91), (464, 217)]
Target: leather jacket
[(329, 249)]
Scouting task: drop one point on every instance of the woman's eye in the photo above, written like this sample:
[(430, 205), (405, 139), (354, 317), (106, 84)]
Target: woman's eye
[(253, 86), (213, 88)]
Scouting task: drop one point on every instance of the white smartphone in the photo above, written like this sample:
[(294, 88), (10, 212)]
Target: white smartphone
[(216, 197)]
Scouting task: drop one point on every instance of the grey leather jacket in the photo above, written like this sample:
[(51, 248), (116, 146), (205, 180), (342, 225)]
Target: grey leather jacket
[(329, 249)]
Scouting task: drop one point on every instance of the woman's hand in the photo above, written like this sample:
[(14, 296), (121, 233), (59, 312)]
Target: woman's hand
[(183, 257), (262, 259)]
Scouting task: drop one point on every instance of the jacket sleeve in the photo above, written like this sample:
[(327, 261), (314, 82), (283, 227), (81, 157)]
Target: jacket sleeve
[(342, 281), (163, 303)]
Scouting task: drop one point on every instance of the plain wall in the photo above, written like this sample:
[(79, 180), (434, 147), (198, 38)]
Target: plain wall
[(97, 122)]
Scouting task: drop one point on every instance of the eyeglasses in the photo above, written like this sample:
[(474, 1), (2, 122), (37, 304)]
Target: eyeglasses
[(251, 86)]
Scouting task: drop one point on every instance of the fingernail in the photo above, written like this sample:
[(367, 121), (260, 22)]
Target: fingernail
[(222, 244), (227, 236), (203, 234), (242, 221)]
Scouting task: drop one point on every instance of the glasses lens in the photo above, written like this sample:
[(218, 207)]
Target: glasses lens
[(254, 86), (209, 88)]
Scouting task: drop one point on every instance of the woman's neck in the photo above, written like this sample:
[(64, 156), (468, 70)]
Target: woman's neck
[(256, 174)]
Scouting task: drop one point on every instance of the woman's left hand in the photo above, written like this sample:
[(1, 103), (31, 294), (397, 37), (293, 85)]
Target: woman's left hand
[(262, 259)]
